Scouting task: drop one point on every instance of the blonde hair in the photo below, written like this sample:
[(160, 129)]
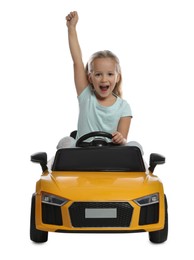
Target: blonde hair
[(107, 54)]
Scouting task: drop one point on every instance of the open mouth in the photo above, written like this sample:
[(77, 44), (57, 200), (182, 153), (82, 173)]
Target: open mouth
[(104, 88)]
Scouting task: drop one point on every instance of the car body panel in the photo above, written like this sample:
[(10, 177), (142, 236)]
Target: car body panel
[(99, 187)]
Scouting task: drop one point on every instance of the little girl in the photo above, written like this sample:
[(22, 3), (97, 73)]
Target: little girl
[(98, 87)]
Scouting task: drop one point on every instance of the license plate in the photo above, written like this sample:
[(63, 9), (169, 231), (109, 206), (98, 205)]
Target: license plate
[(101, 213)]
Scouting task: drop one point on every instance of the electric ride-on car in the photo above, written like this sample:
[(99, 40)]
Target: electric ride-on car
[(98, 186)]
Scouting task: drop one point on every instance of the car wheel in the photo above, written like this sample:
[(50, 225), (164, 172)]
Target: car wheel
[(36, 235), (160, 236)]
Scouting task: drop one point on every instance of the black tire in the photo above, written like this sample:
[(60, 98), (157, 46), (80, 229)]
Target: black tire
[(160, 236), (36, 235)]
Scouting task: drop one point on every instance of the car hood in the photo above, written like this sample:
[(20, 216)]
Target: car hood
[(84, 186)]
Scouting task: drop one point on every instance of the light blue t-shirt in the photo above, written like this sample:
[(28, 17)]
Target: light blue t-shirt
[(95, 117)]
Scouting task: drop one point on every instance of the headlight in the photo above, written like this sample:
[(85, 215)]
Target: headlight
[(147, 200), (53, 200)]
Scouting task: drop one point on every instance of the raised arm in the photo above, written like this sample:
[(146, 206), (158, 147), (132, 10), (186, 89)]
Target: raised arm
[(80, 77)]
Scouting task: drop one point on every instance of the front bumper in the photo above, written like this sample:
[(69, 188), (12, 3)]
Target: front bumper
[(100, 216)]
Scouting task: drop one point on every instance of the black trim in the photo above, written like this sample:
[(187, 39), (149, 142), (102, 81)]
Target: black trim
[(100, 231)]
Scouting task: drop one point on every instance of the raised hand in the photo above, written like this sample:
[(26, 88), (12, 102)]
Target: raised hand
[(72, 19)]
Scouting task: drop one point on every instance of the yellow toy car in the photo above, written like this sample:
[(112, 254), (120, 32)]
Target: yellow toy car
[(99, 187)]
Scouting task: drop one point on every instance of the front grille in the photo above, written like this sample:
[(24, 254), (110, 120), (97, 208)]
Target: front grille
[(51, 214), (149, 214), (115, 214)]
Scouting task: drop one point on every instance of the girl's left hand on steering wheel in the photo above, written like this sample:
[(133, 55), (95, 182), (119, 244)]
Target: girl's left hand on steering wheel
[(118, 138)]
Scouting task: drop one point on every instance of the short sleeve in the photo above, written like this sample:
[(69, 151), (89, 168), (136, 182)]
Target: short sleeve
[(126, 109), (84, 94)]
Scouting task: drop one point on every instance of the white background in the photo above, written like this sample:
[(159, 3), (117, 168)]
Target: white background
[(155, 43)]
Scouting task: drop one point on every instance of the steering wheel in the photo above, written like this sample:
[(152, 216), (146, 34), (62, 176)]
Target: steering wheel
[(96, 142)]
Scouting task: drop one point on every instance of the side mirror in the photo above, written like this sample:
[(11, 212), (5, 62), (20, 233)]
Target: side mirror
[(155, 159), (40, 158)]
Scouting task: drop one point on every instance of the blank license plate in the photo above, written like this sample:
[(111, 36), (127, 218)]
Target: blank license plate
[(101, 213)]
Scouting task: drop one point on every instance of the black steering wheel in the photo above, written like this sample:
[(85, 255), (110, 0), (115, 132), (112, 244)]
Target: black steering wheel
[(96, 141)]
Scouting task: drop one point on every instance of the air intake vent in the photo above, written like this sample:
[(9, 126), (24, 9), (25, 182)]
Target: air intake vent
[(51, 214), (100, 214)]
